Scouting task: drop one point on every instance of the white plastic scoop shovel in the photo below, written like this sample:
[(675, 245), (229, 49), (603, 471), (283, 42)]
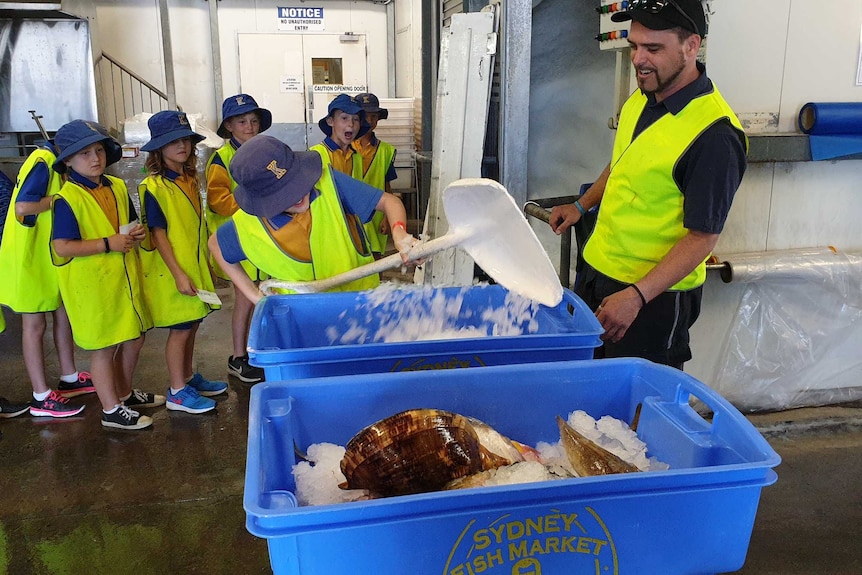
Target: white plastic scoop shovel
[(484, 221)]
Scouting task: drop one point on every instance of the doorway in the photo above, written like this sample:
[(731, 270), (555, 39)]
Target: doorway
[(296, 76)]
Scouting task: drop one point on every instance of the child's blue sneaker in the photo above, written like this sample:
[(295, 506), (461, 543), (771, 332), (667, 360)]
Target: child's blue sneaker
[(188, 400), (205, 387)]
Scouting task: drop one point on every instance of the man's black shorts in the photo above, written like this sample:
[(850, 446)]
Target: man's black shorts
[(660, 333)]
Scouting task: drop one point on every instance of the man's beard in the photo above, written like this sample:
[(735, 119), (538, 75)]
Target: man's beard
[(661, 83)]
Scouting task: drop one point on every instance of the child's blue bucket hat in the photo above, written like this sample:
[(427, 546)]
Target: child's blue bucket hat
[(271, 177), (73, 137), (371, 104), (346, 104), (239, 105), (168, 126)]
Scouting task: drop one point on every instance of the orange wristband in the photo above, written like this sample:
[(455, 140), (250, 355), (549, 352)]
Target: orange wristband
[(402, 225)]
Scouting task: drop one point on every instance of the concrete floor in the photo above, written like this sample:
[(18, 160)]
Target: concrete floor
[(76, 498)]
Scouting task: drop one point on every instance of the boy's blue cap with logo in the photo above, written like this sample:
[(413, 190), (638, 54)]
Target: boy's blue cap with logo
[(271, 177), (168, 126), (347, 105), (239, 105), (73, 137), (370, 103)]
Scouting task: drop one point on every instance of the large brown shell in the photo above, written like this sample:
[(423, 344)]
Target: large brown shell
[(415, 451)]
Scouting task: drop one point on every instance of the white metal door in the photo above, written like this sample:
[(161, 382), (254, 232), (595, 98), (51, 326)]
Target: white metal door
[(334, 64), (272, 70)]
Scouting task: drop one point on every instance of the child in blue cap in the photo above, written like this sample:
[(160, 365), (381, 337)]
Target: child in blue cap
[(300, 220), (242, 119), (175, 255), (343, 124), (95, 241), (378, 166), (30, 287)]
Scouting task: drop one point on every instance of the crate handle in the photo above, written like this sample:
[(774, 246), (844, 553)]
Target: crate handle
[(571, 300), (720, 408)]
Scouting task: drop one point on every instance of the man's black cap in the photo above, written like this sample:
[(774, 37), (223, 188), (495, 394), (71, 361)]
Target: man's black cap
[(665, 14)]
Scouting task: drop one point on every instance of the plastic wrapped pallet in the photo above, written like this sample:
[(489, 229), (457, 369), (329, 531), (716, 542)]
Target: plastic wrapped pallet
[(795, 338)]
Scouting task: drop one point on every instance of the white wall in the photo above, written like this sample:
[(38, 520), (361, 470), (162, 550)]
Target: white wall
[(773, 56), (130, 31), (408, 49)]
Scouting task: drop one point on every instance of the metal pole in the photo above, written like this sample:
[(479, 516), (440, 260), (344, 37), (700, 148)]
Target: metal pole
[(430, 44), (390, 49), (170, 87), (516, 24), (38, 119), (216, 54)]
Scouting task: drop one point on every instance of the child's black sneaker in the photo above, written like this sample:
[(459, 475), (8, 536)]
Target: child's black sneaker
[(11, 409), (140, 398), (55, 405), (125, 418), (243, 370), (83, 385)]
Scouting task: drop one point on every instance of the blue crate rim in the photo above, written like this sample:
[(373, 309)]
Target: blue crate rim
[(530, 342), (569, 298)]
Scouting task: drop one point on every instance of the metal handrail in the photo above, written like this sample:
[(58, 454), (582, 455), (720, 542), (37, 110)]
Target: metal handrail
[(539, 211), (128, 71), (126, 96)]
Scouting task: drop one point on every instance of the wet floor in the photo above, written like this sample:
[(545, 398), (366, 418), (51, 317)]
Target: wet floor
[(77, 498)]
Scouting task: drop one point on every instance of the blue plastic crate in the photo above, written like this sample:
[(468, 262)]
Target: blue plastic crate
[(289, 340), (695, 518)]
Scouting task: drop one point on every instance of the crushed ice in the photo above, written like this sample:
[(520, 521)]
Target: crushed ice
[(419, 313)]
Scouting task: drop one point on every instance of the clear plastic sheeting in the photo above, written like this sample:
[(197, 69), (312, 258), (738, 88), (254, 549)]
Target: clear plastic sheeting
[(797, 333), (136, 133)]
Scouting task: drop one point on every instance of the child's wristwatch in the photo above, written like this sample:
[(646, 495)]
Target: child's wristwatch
[(107, 245)]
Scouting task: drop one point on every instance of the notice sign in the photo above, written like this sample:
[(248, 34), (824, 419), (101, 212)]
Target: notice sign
[(291, 85), (300, 19)]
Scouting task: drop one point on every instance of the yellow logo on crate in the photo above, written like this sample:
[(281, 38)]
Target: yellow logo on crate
[(575, 542), (425, 364)]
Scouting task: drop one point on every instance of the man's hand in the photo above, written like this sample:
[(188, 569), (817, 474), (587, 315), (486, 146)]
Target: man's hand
[(563, 217), (617, 312)]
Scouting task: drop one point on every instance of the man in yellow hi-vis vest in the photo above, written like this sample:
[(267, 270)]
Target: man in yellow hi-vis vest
[(678, 159)]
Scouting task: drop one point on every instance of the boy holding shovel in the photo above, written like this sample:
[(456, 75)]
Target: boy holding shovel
[(300, 220)]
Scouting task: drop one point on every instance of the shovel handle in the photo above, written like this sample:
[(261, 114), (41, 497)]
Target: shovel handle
[(422, 250)]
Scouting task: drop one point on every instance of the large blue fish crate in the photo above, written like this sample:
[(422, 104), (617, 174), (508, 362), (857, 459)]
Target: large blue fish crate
[(290, 339), (694, 518)]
